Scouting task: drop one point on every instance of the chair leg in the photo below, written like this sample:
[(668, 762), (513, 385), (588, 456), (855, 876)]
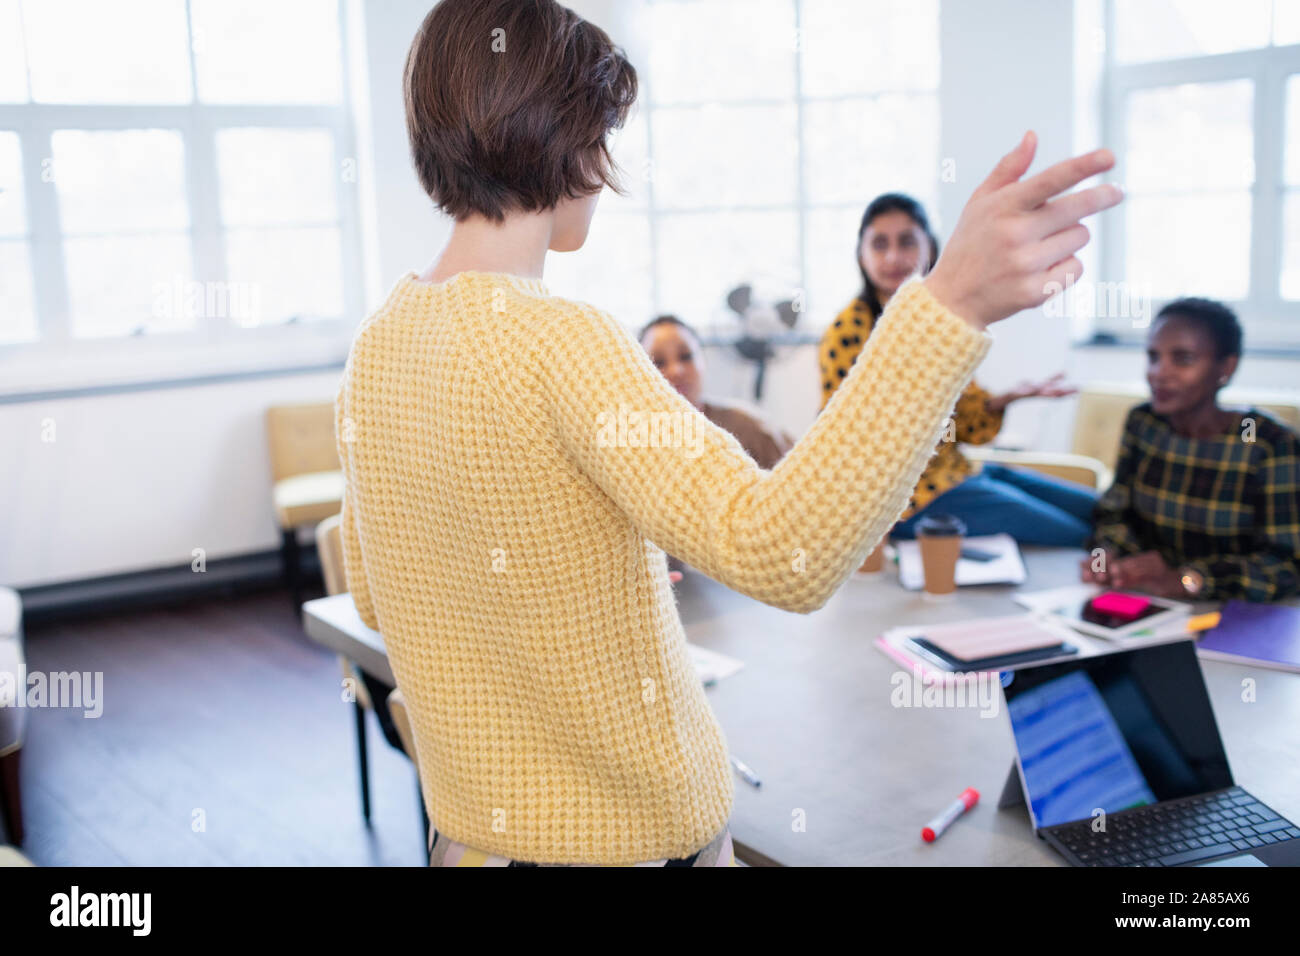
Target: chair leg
[(363, 765), (10, 797), (424, 814), (291, 560)]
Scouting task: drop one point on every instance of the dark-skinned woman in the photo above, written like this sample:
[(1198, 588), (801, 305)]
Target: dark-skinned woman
[(1206, 500)]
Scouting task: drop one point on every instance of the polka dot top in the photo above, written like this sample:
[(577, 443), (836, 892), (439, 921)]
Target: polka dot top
[(971, 422)]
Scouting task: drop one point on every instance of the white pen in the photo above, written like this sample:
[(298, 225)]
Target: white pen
[(746, 773)]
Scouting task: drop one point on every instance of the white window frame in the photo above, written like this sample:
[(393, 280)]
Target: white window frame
[(57, 360), (1269, 321), (802, 207)]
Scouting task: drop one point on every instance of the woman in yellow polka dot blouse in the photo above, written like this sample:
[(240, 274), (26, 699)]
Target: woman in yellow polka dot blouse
[(895, 242)]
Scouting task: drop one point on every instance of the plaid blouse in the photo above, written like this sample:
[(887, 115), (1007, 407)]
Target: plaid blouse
[(1226, 506)]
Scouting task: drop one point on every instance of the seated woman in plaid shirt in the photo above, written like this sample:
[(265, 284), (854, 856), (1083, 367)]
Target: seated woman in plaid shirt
[(1206, 501)]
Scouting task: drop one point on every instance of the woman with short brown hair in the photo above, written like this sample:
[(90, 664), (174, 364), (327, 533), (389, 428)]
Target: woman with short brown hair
[(512, 554)]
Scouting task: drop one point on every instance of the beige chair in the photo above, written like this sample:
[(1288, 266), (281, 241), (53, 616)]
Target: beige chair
[(308, 483), (1103, 407), (13, 719), (329, 545), (1082, 469), (402, 719), (1099, 424)]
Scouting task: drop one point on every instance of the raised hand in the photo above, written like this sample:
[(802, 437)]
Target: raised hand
[(1015, 242), (1054, 387)]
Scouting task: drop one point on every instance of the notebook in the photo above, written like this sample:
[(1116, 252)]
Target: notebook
[(1267, 635), (975, 639)]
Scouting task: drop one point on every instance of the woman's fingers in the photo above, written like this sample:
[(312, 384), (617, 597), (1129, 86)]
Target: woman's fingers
[(1058, 246), (1054, 180), (1011, 167), (1059, 213), (1058, 277)]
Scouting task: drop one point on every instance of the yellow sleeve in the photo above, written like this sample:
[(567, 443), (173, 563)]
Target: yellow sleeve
[(975, 424), (841, 344), (789, 537), (354, 568)]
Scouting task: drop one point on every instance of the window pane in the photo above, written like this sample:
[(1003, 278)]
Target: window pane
[(13, 216), (120, 181), (702, 257), (1193, 136), (89, 51), (721, 50), (13, 68), (118, 285), (831, 253), (1286, 22), (725, 156), (1293, 130), (612, 270), (273, 176), (17, 303), (628, 147), (855, 47), (1164, 29), (1291, 246), (267, 51), (846, 159), (1189, 245), (293, 272)]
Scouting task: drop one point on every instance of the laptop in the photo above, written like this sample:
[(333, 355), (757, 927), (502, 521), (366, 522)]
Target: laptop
[(1121, 764)]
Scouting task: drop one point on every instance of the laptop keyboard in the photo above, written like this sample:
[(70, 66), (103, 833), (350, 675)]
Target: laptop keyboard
[(1177, 833)]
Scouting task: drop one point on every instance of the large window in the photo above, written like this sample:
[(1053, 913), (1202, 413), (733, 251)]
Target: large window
[(1201, 106), (763, 129), (174, 173)]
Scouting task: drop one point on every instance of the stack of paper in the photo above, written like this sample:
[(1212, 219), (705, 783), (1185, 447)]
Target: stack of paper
[(979, 636), (710, 666), (1006, 568)]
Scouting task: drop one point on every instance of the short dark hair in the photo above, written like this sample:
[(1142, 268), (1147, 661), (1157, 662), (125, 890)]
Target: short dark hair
[(508, 105), (667, 320), (1219, 321)]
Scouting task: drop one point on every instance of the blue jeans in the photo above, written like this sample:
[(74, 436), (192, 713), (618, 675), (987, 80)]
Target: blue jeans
[(1031, 507)]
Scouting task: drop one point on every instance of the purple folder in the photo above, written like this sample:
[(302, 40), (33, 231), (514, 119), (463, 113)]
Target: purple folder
[(1267, 635)]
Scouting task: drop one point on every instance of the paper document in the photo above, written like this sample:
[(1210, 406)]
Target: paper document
[(711, 666), (1006, 568)]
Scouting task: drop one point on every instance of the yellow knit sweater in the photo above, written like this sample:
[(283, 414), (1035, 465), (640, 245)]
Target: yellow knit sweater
[(516, 469)]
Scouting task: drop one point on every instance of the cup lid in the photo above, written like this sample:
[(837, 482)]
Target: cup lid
[(937, 525)]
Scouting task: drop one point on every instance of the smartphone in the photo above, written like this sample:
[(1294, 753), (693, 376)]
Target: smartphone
[(977, 554)]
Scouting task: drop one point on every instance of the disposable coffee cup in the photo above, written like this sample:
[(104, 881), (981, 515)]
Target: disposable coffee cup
[(875, 560), (940, 536)]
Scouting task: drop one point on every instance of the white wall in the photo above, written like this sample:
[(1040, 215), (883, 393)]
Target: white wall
[(138, 480)]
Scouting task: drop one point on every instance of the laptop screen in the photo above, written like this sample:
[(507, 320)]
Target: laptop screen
[(1115, 731)]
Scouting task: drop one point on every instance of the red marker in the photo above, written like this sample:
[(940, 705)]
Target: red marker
[(969, 797)]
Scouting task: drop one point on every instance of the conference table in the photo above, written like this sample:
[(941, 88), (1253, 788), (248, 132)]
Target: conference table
[(849, 778)]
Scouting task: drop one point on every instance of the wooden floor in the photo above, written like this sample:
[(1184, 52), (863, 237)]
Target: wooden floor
[(221, 708)]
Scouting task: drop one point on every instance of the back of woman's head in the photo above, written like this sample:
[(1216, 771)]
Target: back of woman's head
[(509, 103), (893, 202)]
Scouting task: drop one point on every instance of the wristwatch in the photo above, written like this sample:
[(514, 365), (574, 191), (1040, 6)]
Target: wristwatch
[(1193, 581)]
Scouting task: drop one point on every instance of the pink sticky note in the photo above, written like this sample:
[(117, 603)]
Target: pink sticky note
[(1124, 606)]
